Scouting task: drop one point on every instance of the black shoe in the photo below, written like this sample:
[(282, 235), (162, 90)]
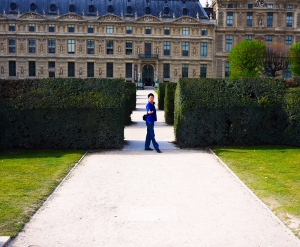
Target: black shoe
[(148, 149), (158, 150)]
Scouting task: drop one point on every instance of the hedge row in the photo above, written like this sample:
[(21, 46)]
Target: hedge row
[(235, 112), (62, 113), (161, 95), (130, 101), (169, 102)]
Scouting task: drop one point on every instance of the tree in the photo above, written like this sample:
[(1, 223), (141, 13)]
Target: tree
[(276, 59), (247, 59), (294, 58)]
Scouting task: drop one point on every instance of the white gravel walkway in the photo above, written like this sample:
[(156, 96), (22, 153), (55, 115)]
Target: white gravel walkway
[(137, 198)]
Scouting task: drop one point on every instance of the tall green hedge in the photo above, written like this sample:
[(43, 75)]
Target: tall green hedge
[(161, 95), (229, 112), (62, 113), (169, 102), (130, 101)]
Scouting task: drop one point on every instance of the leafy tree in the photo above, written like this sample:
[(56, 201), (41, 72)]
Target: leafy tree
[(276, 59), (247, 59), (294, 58)]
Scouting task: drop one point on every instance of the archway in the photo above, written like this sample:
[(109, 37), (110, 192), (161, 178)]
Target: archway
[(148, 75)]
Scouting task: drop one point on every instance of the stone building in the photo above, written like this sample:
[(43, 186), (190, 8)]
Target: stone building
[(148, 39)]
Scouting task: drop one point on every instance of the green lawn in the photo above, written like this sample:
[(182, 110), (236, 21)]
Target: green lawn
[(273, 174), (26, 179)]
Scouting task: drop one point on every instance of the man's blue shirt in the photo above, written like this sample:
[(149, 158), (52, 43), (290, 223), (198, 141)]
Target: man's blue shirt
[(151, 117)]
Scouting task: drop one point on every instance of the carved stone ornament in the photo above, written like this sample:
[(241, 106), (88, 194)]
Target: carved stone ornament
[(148, 19), (260, 4), (2, 17), (110, 18), (31, 16), (186, 20), (70, 17)]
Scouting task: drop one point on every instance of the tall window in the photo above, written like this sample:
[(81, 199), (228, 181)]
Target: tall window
[(51, 45), (204, 32), (90, 29), (51, 65), (71, 46), (90, 69), (269, 39), (203, 70), (166, 70), (250, 6), (71, 69), (128, 47), (185, 70), (90, 46), (167, 48), (167, 31), (12, 46), (109, 70), (227, 69), (71, 28), (229, 41), (270, 19), (288, 39), (12, 27), (249, 19), (31, 28), (270, 6), (51, 28), (185, 49), (185, 31), (128, 30), (109, 29), (12, 68), (109, 47), (248, 37), (203, 49), (289, 19), (31, 68), (147, 30), (31, 45), (128, 70), (230, 19)]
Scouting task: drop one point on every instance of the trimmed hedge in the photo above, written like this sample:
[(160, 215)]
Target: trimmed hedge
[(229, 112), (169, 102), (161, 95), (130, 101), (62, 113)]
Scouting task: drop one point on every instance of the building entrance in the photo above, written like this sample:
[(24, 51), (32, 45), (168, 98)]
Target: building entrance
[(148, 75)]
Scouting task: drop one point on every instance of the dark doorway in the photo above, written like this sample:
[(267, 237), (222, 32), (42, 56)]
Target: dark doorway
[(148, 75)]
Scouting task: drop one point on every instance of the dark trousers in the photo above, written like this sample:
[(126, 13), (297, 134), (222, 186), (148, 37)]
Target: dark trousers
[(150, 136)]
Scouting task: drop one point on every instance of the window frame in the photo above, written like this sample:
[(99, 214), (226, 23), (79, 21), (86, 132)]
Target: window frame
[(229, 42), (128, 48), (185, 31), (71, 69), (128, 29), (109, 47), (270, 19), (51, 46), (31, 27), (71, 28), (12, 45), (51, 28), (71, 46), (148, 30), (90, 68), (203, 70), (166, 71), (185, 71), (229, 19), (90, 46), (167, 31), (11, 27), (249, 19), (31, 69), (203, 49), (109, 29), (167, 48), (109, 70), (128, 70), (185, 46), (12, 68), (289, 19), (31, 46), (90, 28)]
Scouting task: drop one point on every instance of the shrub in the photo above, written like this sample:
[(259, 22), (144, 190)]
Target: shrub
[(169, 102), (130, 101), (161, 95)]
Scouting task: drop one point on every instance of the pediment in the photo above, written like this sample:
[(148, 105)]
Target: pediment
[(2, 17), (186, 19), (31, 16), (147, 19), (70, 17), (110, 18)]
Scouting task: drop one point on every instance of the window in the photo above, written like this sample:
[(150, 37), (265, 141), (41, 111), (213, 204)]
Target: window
[(229, 41), (51, 28), (166, 70), (51, 74), (270, 19), (128, 30), (248, 37), (269, 39), (203, 70), (90, 69), (290, 6), (185, 71), (109, 47), (90, 46), (288, 40), (249, 19), (204, 31), (109, 70), (167, 48), (71, 69), (167, 31), (51, 45), (227, 69), (270, 6), (203, 49), (250, 6), (71, 28), (230, 19), (128, 47), (51, 65), (12, 68), (185, 31), (31, 45), (12, 27), (71, 46), (109, 29), (289, 19), (230, 6), (12, 46), (185, 49), (31, 66), (90, 29), (147, 30), (128, 70), (31, 28)]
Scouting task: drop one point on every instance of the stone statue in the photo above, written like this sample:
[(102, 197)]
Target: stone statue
[(174, 15), (82, 12), (197, 15), (260, 4), (58, 12), (97, 12), (44, 12), (122, 14), (4, 11), (160, 14)]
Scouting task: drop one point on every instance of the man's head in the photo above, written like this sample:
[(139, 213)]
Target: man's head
[(150, 97)]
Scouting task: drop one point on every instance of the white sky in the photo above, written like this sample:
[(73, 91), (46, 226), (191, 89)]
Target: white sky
[(203, 2)]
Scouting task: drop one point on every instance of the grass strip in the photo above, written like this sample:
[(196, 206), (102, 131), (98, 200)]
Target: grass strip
[(27, 179), (273, 174)]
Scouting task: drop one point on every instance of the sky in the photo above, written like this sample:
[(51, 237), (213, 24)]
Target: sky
[(203, 2)]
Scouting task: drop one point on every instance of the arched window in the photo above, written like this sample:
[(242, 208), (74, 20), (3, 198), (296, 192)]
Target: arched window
[(32, 7), (147, 10), (72, 8), (110, 9)]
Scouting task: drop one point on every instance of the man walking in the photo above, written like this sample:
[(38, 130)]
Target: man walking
[(151, 118)]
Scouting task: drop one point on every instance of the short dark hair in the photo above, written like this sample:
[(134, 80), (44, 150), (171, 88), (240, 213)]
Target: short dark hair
[(150, 94)]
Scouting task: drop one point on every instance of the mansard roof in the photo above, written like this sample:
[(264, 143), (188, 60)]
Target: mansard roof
[(134, 8)]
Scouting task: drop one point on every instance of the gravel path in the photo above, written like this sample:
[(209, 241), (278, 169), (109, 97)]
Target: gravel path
[(137, 198)]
